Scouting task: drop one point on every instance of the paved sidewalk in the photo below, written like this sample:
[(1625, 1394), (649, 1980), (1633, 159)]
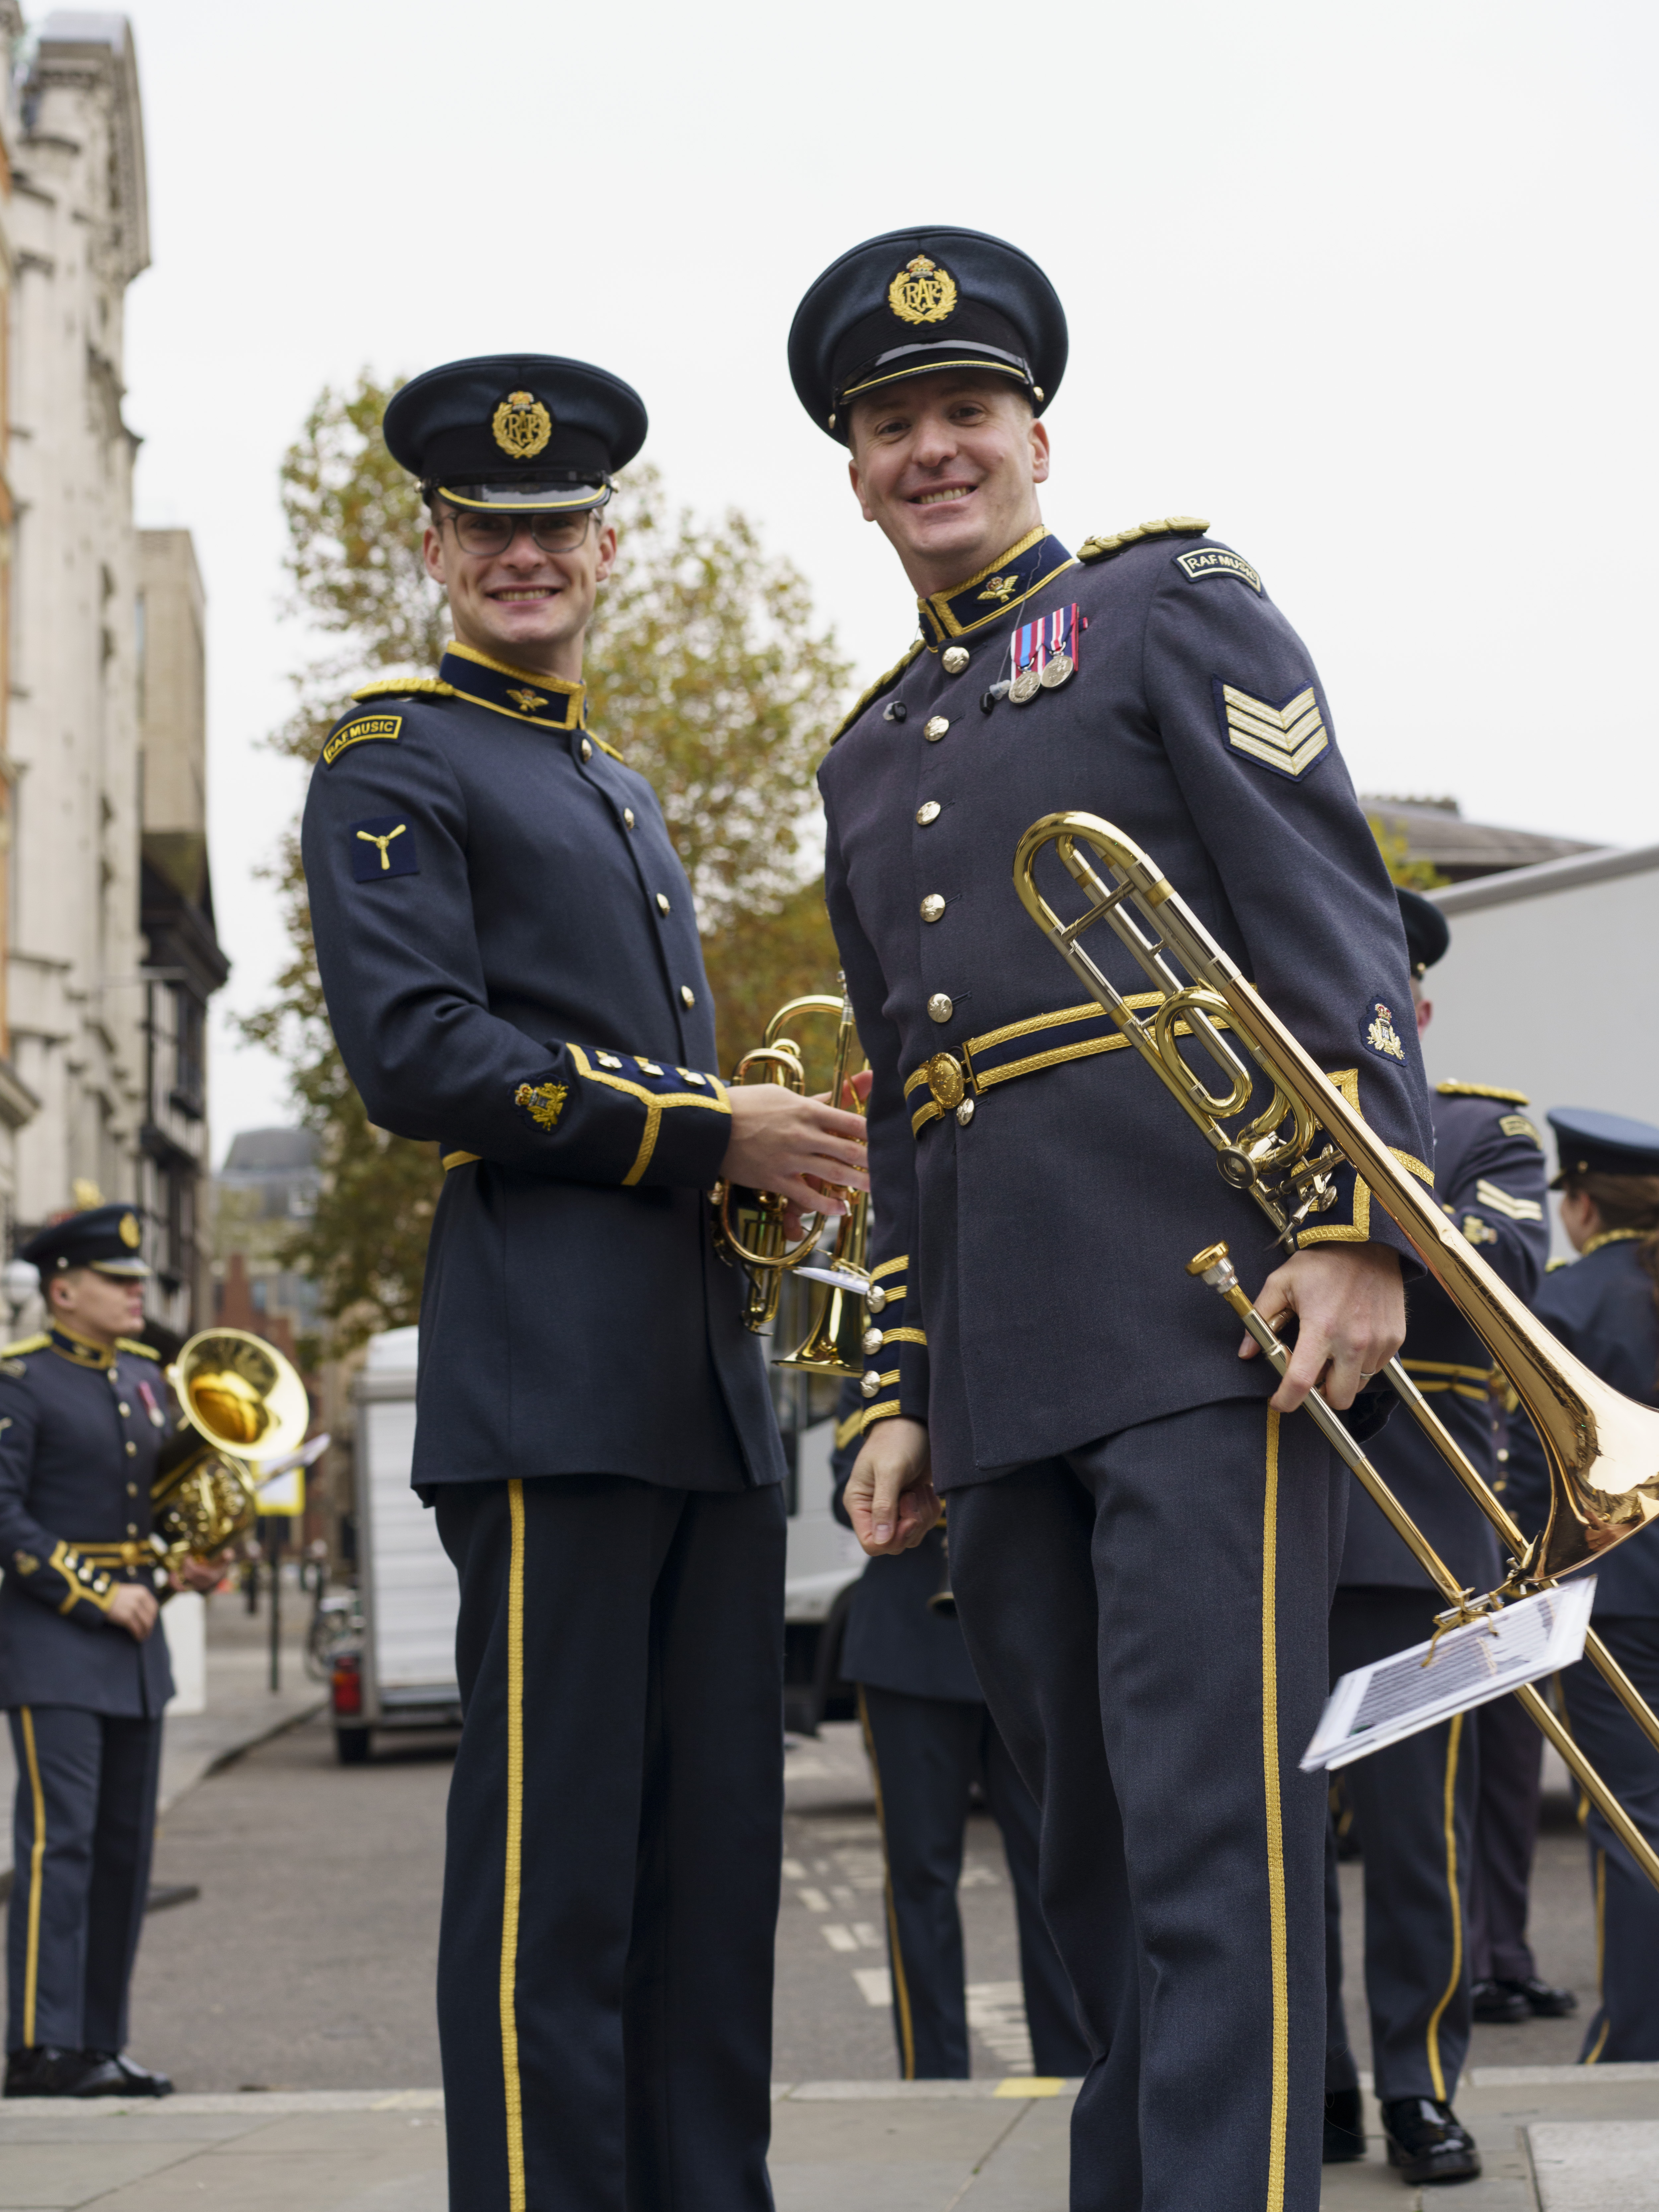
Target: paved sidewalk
[(1556, 2139)]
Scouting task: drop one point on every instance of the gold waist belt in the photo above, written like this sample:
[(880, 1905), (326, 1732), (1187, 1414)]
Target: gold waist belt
[(130, 1554), (954, 1081), (458, 1160)]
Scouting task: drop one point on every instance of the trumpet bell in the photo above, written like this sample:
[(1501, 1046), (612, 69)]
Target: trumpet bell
[(831, 1345), (242, 1403)]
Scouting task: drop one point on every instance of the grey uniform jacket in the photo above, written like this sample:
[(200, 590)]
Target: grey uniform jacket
[(513, 970), (1489, 1177), (1041, 1249), (81, 1431)]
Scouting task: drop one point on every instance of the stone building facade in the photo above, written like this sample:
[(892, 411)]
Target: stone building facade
[(111, 953)]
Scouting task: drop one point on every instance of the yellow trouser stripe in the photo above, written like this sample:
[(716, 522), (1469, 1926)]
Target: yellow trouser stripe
[(1276, 1913), (1453, 1743), (37, 1854), (901, 1987), (1594, 2051), (516, 2182)]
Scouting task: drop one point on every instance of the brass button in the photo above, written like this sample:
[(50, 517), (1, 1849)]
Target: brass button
[(627, 815), (939, 1008), (954, 660), (132, 1528), (875, 1297), (965, 1112), (688, 994), (662, 902), (124, 1411), (588, 749), (871, 1384), (934, 728), (871, 1341), (132, 1490), (932, 907), (132, 1449), (929, 811)]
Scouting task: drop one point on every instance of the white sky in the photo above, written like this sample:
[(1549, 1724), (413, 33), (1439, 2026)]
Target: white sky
[(1371, 288)]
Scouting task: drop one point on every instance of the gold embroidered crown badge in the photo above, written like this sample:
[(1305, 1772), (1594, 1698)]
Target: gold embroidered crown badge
[(1000, 588), (543, 1104), (1381, 1035), (923, 292), (522, 425)]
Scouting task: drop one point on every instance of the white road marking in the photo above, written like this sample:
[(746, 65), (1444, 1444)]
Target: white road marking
[(794, 1870), (843, 1896), (980, 1877), (814, 1900), (867, 1936), (837, 1937), (996, 2014), (875, 1986)]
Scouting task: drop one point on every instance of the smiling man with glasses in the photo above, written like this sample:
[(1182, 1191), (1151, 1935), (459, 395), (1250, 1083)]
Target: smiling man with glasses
[(511, 958)]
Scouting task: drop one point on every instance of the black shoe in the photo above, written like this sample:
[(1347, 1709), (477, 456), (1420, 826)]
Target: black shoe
[(1544, 2002), (45, 2071), (1500, 2004), (1344, 2127), (1427, 2141), (132, 2080)]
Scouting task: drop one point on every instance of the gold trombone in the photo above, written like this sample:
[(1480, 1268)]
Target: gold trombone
[(1601, 1449), (749, 1229)]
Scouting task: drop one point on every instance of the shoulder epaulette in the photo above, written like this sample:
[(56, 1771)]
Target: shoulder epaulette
[(1554, 1267), (1483, 1091), (139, 1351), (406, 686), (605, 748), (1173, 525), (869, 697), (24, 1344)]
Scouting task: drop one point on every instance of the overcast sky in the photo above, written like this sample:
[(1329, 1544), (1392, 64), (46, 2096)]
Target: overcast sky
[(1369, 288)]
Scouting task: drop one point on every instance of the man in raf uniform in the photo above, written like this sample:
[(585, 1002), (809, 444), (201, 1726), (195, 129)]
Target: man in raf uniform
[(1414, 1802), (84, 1668), (1602, 1308), (1141, 1547), (929, 1739), (513, 970)]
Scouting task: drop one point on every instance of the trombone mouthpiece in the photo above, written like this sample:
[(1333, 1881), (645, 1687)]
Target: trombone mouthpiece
[(1211, 1263)]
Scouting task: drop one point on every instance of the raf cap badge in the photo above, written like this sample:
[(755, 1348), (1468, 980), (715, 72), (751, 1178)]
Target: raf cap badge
[(521, 426), (923, 292)]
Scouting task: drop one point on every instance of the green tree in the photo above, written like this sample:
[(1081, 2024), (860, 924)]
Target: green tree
[(1394, 842), (707, 674)]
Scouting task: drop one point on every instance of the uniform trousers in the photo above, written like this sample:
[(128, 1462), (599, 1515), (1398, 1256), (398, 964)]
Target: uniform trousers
[(1413, 1806), (81, 1837), (611, 1886), (1626, 2023), (925, 1754), (1510, 1788), (1147, 1617)]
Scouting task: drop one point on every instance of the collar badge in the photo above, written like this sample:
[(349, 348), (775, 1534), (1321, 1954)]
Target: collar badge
[(923, 292), (1000, 589), (528, 700), (522, 425)]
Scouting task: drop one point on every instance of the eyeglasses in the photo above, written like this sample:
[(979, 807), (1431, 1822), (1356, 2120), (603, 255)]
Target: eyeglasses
[(490, 531)]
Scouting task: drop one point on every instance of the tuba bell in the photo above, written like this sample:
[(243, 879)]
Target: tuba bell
[(1603, 1449), (242, 1403), (749, 1225)]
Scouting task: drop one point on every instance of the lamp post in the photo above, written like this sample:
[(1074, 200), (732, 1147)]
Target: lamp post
[(19, 1279)]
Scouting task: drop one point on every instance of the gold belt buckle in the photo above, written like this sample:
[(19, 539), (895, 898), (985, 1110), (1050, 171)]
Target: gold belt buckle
[(946, 1080)]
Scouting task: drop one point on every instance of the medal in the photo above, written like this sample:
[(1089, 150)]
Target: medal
[(1044, 653)]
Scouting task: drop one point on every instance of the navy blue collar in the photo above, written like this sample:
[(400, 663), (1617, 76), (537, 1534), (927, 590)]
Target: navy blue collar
[(80, 1351), (545, 701), (1014, 576)]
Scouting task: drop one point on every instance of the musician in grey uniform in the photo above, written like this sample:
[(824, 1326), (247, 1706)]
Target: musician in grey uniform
[(1603, 1308), (83, 1666), (1414, 1802), (930, 1739), (1142, 1538), (510, 954)]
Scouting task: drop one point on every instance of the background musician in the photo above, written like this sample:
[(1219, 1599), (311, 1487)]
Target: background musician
[(1413, 1801), (84, 1412)]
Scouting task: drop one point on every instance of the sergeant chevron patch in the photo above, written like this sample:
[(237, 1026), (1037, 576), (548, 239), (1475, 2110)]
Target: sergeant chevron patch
[(1287, 739), (1505, 1202)]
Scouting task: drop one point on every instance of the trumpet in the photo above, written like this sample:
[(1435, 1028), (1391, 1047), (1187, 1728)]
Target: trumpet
[(749, 1227), (1601, 1449), (242, 1403)]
